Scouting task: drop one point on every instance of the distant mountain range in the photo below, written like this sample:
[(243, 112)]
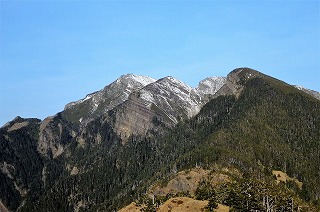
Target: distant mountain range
[(116, 145)]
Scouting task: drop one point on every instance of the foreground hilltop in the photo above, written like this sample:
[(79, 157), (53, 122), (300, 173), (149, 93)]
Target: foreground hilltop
[(113, 146)]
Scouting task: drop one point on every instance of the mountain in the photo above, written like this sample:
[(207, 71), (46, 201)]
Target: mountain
[(165, 101), (98, 103), (116, 145)]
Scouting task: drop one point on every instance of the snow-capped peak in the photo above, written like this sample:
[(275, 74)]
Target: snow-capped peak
[(129, 82), (143, 80), (169, 94)]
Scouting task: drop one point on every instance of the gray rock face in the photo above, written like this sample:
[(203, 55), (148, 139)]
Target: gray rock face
[(138, 100), (98, 103), (210, 85), (138, 104), (173, 97), (233, 84), (133, 117), (53, 133), (168, 100), (86, 137)]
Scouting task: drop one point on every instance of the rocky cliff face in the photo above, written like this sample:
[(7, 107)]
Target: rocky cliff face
[(233, 84), (134, 117), (98, 103), (166, 100), (139, 102), (53, 134), (96, 131), (209, 86)]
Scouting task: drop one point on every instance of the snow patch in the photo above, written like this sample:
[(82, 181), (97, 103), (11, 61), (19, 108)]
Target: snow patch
[(299, 87), (210, 85), (144, 80), (87, 97), (147, 96), (71, 104), (169, 94)]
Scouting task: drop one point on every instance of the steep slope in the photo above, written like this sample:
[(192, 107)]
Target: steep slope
[(140, 102), (165, 101), (271, 125), (162, 102), (98, 103), (209, 86), (178, 100), (254, 123), (54, 134), (99, 118), (173, 97), (20, 162), (235, 80)]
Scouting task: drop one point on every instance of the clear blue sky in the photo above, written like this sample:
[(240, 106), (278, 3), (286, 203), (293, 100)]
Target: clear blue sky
[(55, 52)]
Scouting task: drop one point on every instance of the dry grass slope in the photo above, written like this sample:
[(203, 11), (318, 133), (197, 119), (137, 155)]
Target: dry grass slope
[(188, 180), (183, 204), (283, 177), (131, 208), (178, 204)]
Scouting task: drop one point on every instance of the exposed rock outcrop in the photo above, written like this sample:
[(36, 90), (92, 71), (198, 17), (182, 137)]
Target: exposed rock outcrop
[(98, 103), (54, 133)]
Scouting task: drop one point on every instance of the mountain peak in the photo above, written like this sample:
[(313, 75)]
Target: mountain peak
[(98, 103), (172, 79), (143, 80), (240, 74), (141, 130)]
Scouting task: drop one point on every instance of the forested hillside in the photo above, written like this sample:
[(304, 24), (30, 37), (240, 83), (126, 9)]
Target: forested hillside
[(263, 125)]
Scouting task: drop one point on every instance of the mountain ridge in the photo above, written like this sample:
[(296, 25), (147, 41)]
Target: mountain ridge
[(207, 83), (247, 121)]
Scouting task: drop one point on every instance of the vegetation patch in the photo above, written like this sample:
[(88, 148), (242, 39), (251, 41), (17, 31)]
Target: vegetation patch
[(283, 177), (17, 126)]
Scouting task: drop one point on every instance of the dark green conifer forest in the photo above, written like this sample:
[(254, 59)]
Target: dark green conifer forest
[(269, 126)]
